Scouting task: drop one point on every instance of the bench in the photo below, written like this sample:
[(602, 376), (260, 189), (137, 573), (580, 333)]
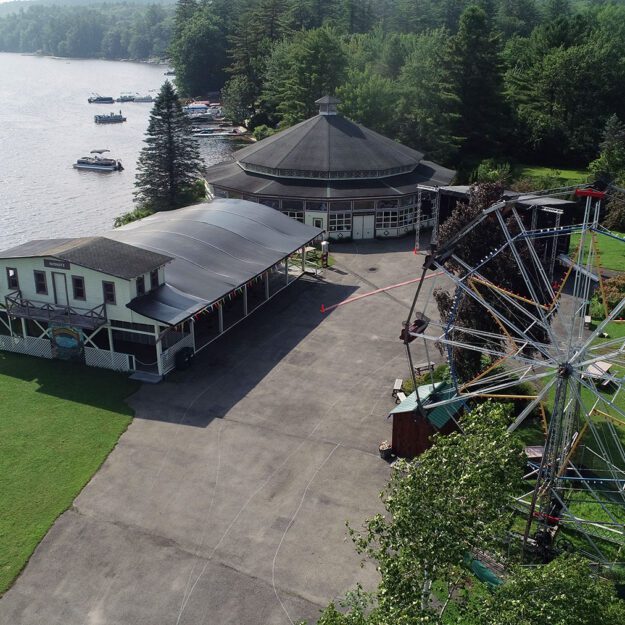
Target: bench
[(424, 366), (397, 387), (400, 397)]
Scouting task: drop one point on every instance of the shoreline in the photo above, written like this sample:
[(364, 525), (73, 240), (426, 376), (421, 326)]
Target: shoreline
[(156, 62)]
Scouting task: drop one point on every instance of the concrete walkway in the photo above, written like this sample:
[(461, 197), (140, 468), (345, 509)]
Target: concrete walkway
[(226, 499)]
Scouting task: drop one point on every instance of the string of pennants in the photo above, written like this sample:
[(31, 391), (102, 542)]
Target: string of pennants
[(219, 303)]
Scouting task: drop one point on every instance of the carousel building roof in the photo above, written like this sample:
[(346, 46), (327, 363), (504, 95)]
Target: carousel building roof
[(328, 156)]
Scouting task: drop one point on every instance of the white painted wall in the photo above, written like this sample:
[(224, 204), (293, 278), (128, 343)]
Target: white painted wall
[(125, 290)]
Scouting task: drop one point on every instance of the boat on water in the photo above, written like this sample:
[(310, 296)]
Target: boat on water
[(111, 118), (216, 132), (126, 97), (144, 98), (100, 99), (97, 162)]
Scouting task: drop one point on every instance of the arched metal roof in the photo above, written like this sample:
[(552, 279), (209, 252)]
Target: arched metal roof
[(216, 248)]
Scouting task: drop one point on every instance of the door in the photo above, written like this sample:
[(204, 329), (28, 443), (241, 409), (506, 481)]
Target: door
[(368, 229), (357, 226), (59, 282)]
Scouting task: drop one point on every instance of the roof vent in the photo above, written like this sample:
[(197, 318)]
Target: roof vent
[(327, 105)]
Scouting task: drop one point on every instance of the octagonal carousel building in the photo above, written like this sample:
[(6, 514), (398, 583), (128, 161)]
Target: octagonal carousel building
[(334, 174)]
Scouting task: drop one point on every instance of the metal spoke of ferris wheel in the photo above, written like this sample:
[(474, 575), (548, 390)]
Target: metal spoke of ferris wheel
[(480, 300), (511, 301), (539, 338), (529, 285)]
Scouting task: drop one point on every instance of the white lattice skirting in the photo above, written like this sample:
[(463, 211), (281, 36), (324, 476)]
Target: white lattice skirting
[(30, 345), (104, 359), (168, 357)]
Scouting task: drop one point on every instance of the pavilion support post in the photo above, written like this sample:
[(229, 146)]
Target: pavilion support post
[(192, 332), (266, 285), (286, 270), (24, 331), (220, 316), (159, 351), (245, 300), (304, 259)]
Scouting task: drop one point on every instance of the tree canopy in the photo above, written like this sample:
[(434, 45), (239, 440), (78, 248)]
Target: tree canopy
[(462, 80)]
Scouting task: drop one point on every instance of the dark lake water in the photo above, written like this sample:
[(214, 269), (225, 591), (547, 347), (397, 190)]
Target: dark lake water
[(46, 123)]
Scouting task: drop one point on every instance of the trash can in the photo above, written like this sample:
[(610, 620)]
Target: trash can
[(183, 358)]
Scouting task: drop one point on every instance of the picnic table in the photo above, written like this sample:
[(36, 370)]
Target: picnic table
[(598, 370)]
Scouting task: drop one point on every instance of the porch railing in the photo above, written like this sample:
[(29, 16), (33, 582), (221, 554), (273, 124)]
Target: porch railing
[(18, 306)]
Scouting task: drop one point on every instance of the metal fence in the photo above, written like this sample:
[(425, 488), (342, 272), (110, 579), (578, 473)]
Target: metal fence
[(30, 345)]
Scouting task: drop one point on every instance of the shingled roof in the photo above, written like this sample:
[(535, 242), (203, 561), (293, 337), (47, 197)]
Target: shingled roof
[(98, 253), (330, 147)]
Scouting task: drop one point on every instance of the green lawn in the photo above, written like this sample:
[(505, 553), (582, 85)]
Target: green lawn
[(564, 177), (58, 423), (612, 251)]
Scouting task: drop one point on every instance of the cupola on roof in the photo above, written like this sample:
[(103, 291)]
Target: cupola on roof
[(328, 146)]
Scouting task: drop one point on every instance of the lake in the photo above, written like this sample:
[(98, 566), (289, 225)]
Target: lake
[(46, 123)]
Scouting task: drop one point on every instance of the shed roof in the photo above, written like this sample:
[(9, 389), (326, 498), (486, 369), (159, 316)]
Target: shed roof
[(114, 258), (430, 393), (217, 247)]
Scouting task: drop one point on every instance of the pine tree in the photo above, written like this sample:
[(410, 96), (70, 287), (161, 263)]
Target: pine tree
[(476, 74), (169, 164)]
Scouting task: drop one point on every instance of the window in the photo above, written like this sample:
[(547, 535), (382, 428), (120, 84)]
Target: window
[(394, 218), (292, 205), (316, 206), (78, 287), (154, 279), (12, 281), (41, 285), (340, 222), (387, 203), (108, 290), (297, 215), (386, 219), (340, 206), (360, 205), (140, 285), (269, 202)]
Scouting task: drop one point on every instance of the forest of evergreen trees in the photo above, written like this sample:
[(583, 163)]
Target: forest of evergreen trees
[(531, 80), (110, 31), (524, 79)]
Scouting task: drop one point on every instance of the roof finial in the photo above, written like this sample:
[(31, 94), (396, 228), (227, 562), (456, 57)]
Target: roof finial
[(327, 105)]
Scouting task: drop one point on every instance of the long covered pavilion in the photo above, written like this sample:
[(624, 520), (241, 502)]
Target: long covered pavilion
[(337, 175), (135, 297)]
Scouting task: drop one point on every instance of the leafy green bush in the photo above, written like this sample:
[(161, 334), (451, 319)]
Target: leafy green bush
[(440, 374), (262, 132), (489, 170), (138, 213)]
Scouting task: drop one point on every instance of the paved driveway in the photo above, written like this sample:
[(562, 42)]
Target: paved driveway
[(226, 499)]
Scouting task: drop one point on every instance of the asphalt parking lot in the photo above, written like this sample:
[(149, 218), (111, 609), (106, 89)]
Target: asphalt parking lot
[(226, 499)]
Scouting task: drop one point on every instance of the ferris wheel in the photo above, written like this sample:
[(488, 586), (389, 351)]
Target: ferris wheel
[(512, 330)]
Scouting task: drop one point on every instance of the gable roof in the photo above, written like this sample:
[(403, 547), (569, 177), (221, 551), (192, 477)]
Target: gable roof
[(98, 253)]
